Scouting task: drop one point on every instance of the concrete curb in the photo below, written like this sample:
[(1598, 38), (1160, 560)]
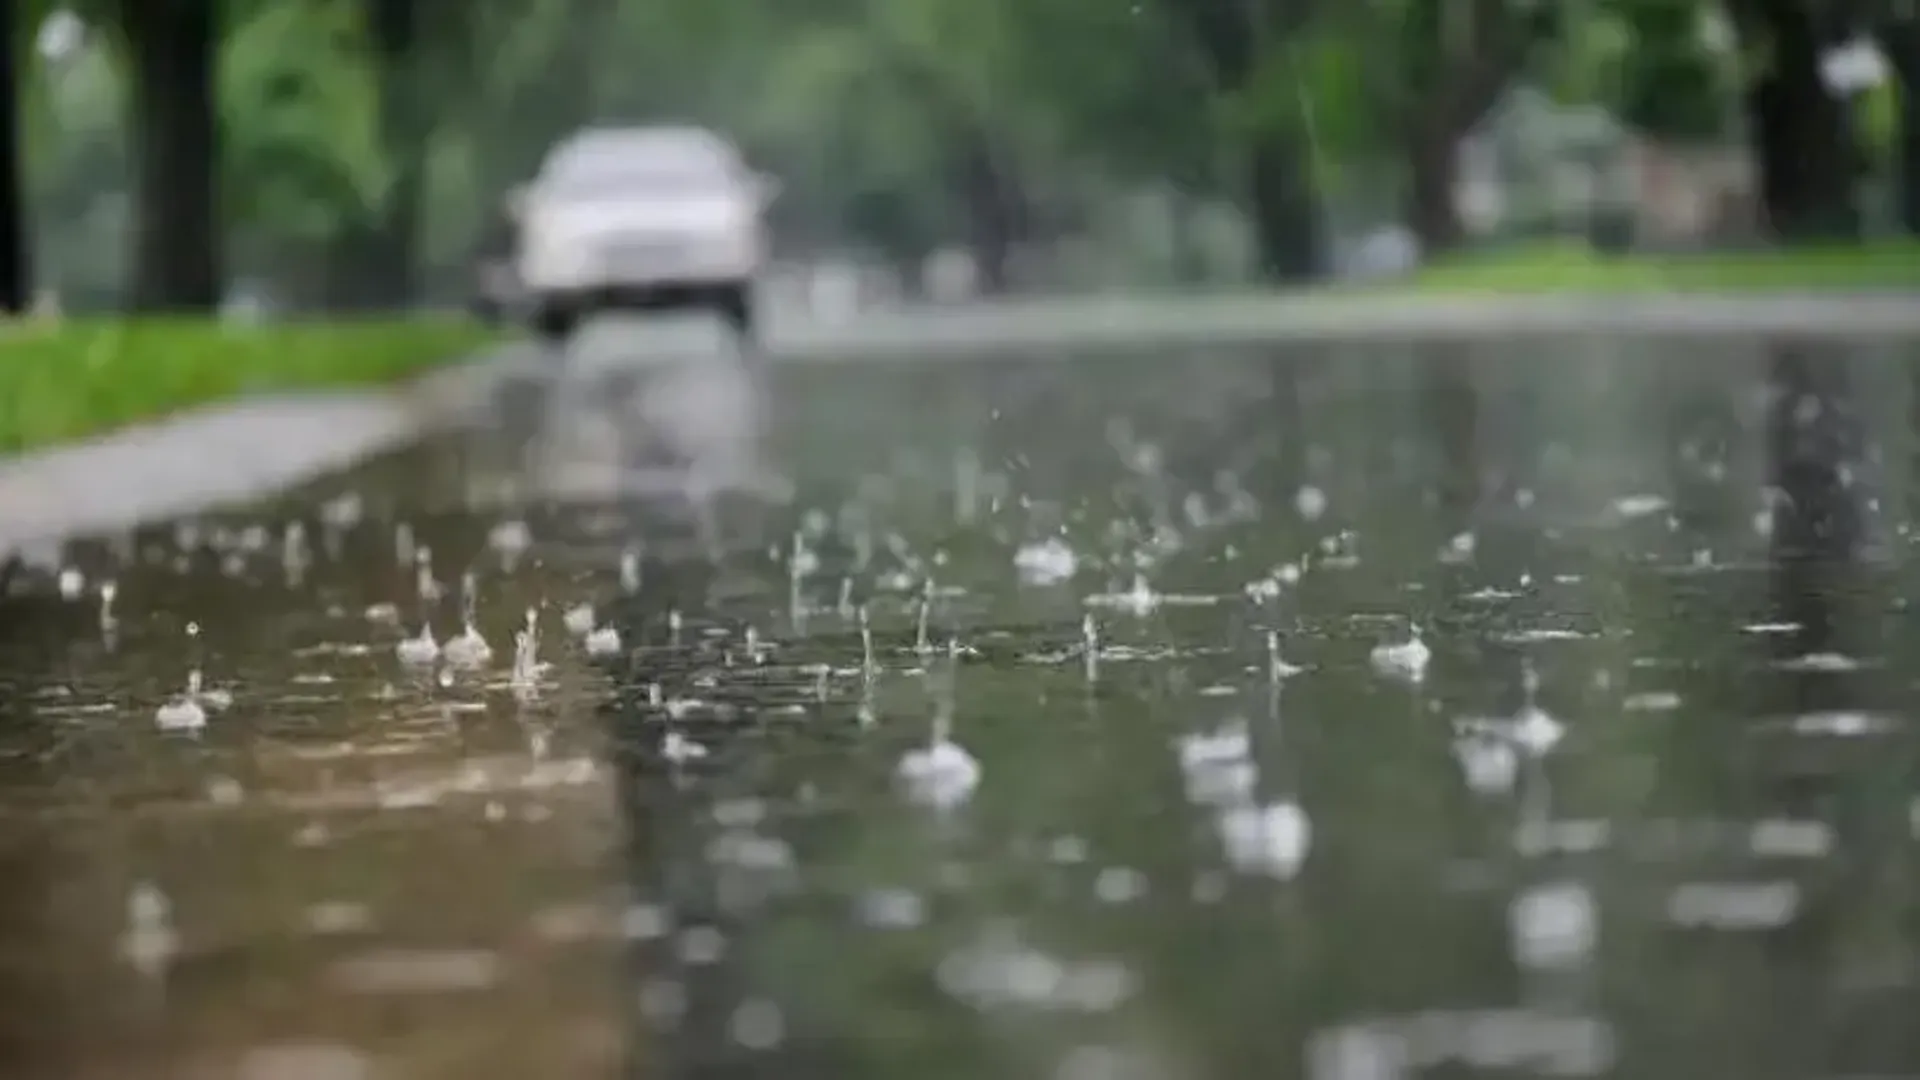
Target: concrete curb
[(261, 445)]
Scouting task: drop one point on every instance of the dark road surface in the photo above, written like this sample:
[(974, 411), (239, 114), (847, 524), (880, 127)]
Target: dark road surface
[(1347, 714)]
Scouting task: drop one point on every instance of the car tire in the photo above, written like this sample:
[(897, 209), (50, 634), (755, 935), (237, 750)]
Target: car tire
[(554, 323), (735, 304)]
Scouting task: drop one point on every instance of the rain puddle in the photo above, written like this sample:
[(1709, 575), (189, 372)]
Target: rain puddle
[(1103, 721), (260, 822)]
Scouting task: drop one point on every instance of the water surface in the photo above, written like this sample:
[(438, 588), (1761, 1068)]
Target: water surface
[(1027, 718)]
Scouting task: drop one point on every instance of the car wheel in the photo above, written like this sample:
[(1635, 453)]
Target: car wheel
[(553, 322), (735, 303)]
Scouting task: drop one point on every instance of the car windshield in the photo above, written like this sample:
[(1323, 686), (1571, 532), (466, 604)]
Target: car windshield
[(650, 181), (670, 163)]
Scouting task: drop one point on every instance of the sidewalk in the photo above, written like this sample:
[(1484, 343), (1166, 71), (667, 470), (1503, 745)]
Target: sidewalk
[(227, 452)]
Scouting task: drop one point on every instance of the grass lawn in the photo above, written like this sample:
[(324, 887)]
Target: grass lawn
[(65, 380), (1576, 268)]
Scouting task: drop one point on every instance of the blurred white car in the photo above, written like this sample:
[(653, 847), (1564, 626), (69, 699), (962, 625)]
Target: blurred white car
[(640, 218)]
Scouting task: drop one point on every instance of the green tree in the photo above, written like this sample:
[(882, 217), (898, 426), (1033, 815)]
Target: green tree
[(1895, 27), (303, 160), (1249, 51), (373, 260), (1427, 73), (1667, 81)]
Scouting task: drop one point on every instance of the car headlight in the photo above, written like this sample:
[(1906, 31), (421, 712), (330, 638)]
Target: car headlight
[(552, 257), (737, 245)]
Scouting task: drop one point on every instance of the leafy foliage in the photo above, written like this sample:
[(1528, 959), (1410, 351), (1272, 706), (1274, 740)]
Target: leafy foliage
[(877, 114), (304, 150)]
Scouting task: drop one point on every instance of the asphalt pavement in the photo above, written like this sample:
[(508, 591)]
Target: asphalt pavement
[(1067, 327), (248, 449)]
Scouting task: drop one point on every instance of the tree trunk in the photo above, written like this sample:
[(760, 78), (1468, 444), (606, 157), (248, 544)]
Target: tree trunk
[(1190, 263), (991, 217), (1452, 92), (174, 52), (1908, 176), (1803, 141), (1433, 168), (16, 286), (387, 254), (1230, 37), (1285, 220)]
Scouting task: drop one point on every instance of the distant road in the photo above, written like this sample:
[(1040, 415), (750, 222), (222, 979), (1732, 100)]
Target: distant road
[(245, 449), (1164, 321)]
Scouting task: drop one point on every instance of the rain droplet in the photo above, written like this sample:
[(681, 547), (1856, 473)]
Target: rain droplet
[(1310, 502)]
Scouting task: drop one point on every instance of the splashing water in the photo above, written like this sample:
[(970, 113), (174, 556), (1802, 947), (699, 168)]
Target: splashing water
[(185, 713), (941, 775), (403, 544), (1277, 666), (1406, 660), (468, 650), (1490, 752), (214, 700), (424, 585), (1271, 840), (148, 942), (630, 571), (1218, 766), (1048, 562), (1489, 765), (1554, 925), (188, 712), (921, 644), (421, 651), (1310, 503), (510, 540), (678, 749), (579, 620), (1533, 730), (527, 668), (603, 641), (1139, 600), (109, 592), (295, 558), (802, 564)]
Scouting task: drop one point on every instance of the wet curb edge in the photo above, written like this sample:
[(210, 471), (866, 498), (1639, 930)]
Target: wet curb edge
[(229, 452)]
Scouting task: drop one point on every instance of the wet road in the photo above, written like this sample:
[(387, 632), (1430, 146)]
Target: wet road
[(1022, 717), (1172, 322)]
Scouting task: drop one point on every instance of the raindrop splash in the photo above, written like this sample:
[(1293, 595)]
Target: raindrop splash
[(1405, 661), (468, 650)]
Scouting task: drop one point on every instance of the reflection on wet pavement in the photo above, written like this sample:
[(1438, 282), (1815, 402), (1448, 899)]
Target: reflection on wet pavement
[(282, 851), (1338, 716)]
